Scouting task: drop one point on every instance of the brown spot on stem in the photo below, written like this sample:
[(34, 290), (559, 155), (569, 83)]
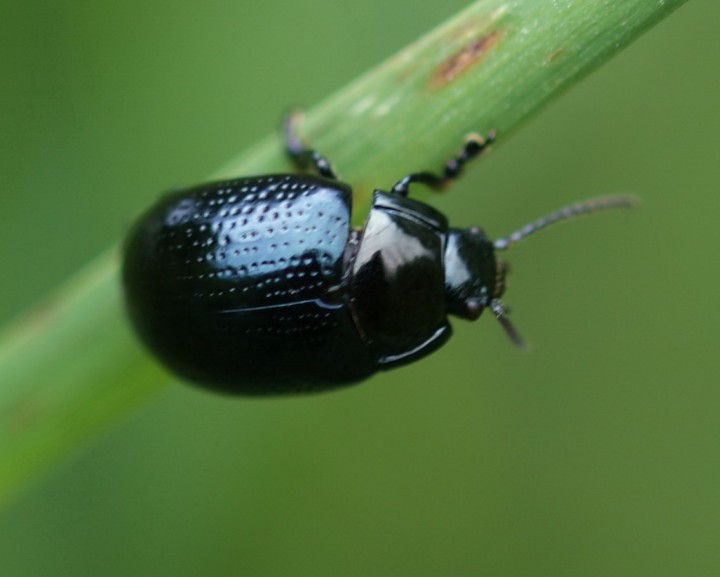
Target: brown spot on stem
[(555, 55), (460, 61)]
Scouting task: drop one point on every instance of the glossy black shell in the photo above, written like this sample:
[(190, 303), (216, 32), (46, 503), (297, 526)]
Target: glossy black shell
[(231, 282), (259, 286)]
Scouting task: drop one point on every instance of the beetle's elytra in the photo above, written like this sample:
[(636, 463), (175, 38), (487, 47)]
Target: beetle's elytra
[(259, 285)]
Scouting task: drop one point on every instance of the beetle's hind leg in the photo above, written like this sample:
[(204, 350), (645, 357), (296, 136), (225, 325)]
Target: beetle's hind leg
[(474, 145), (301, 156)]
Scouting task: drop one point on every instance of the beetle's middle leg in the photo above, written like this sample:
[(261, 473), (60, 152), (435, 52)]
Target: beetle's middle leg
[(474, 145), (301, 156)]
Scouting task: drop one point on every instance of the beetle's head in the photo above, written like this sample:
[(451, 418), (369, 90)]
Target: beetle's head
[(475, 278)]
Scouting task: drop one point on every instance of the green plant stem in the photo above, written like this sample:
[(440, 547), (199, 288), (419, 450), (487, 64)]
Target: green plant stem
[(72, 366)]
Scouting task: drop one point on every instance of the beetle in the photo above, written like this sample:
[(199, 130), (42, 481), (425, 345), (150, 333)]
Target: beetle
[(259, 285)]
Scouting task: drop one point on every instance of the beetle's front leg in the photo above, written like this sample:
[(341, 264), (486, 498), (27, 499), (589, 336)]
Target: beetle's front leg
[(474, 145)]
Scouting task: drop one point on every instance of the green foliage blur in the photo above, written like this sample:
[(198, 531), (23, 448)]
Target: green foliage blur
[(594, 455)]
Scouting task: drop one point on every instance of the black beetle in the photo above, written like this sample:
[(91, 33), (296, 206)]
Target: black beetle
[(259, 285)]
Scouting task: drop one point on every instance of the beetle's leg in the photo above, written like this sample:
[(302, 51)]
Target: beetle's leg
[(302, 156), (474, 145)]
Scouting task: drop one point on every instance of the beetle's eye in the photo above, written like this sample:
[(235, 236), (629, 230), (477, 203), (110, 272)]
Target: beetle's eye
[(474, 308)]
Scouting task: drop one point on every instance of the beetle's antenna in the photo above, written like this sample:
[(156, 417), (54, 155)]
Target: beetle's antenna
[(570, 211), (501, 315)]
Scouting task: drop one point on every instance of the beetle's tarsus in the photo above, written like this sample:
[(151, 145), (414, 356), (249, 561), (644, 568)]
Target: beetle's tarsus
[(475, 144), (301, 156)]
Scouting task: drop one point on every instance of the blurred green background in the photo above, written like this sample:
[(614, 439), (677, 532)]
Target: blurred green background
[(596, 454)]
